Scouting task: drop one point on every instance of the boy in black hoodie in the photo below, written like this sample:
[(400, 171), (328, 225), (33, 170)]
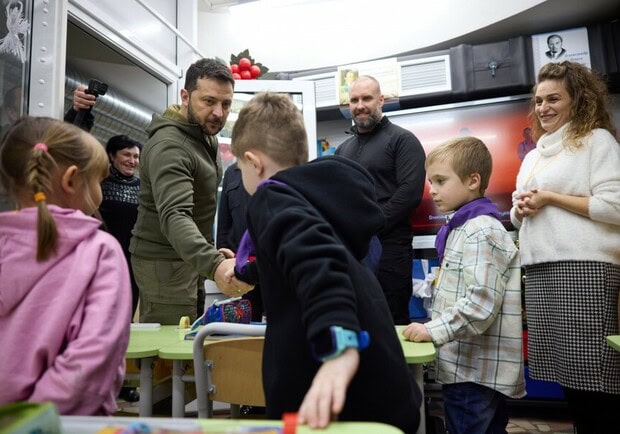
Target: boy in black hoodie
[(331, 349)]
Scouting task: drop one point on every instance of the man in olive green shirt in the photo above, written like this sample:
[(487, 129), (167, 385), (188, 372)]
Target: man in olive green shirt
[(180, 170)]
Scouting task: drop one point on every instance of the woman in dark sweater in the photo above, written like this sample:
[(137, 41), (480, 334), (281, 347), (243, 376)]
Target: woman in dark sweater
[(119, 208)]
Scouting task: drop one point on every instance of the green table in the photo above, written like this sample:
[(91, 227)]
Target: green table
[(416, 353), (146, 342), (92, 424), (167, 342), (144, 345), (173, 346), (614, 342), (180, 352)]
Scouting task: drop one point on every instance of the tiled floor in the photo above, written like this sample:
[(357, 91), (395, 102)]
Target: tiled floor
[(539, 419), (529, 426)]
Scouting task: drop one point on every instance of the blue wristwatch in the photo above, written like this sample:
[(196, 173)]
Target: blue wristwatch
[(333, 341)]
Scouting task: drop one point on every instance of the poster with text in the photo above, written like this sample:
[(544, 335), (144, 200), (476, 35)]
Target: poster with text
[(559, 46)]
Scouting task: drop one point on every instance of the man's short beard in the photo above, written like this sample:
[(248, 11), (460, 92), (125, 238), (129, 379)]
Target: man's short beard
[(191, 118), (369, 123)]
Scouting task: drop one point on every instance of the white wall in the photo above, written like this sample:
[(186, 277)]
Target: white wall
[(320, 33)]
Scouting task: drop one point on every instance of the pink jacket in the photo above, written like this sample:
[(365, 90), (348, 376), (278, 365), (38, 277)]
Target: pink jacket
[(64, 323)]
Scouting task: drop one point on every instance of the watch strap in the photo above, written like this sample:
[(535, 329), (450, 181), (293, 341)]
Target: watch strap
[(344, 338)]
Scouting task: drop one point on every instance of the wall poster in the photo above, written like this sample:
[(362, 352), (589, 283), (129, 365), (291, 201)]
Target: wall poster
[(385, 71), (559, 46)]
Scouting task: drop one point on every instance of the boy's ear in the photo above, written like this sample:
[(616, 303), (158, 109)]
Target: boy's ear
[(255, 161), (69, 180), (474, 181)]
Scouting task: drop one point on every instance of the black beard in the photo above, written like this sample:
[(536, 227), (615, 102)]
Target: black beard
[(192, 120)]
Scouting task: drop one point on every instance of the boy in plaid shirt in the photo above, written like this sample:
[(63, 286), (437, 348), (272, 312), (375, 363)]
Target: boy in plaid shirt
[(476, 313)]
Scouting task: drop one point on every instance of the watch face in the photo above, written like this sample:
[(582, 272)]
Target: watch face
[(323, 344)]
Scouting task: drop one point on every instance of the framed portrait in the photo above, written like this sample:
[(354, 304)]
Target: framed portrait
[(556, 47), (385, 71)]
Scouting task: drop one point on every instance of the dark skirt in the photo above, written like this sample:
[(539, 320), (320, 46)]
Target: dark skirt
[(571, 307)]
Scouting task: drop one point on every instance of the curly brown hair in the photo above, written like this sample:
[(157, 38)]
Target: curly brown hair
[(590, 105)]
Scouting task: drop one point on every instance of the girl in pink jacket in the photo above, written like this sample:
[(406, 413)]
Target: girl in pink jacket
[(65, 296)]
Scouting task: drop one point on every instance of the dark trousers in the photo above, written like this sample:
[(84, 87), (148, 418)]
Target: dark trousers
[(593, 412), (394, 275), (200, 297), (135, 291), (474, 409)]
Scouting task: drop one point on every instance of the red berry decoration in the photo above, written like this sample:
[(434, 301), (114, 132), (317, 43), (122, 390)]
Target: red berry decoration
[(236, 76), (255, 71), (244, 64)]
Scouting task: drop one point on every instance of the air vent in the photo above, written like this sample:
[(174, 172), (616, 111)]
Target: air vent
[(325, 89), (428, 75)]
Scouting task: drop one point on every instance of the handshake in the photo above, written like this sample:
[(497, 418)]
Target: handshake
[(225, 276)]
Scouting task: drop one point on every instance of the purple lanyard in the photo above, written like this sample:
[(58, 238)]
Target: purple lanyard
[(475, 208), (246, 245)]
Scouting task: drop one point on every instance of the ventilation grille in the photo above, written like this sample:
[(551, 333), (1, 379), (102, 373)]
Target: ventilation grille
[(325, 89), (417, 76), (428, 75)]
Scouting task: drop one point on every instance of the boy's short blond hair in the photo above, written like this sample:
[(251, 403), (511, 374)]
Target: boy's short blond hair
[(466, 155), (271, 123)]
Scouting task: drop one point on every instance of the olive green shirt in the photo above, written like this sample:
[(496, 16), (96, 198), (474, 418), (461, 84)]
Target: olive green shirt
[(180, 170)]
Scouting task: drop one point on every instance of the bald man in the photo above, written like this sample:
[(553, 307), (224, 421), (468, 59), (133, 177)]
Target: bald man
[(395, 159)]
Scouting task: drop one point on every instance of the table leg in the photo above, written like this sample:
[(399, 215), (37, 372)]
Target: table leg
[(418, 374), (146, 386), (178, 389)]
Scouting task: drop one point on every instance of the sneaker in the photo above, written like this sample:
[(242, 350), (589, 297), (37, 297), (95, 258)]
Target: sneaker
[(129, 394)]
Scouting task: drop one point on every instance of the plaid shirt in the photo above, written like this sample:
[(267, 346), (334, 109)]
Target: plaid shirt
[(476, 313)]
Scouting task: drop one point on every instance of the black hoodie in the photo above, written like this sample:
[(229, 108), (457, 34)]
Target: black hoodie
[(310, 236)]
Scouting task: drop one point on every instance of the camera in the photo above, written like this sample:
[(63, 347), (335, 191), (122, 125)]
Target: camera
[(96, 87)]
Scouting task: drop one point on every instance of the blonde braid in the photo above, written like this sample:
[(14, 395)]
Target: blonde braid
[(38, 177)]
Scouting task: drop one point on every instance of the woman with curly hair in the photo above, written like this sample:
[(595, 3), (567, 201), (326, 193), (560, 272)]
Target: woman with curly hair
[(567, 208)]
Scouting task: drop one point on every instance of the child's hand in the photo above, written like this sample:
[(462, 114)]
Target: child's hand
[(227, 282), (325, 399), (416, 332), (230, 274)]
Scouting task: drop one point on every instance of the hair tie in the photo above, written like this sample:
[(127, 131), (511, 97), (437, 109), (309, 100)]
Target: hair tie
[(41, 147), (39, 196)]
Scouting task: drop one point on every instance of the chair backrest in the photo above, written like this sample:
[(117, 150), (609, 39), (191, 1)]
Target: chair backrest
[(230, 362), (234, 367)]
